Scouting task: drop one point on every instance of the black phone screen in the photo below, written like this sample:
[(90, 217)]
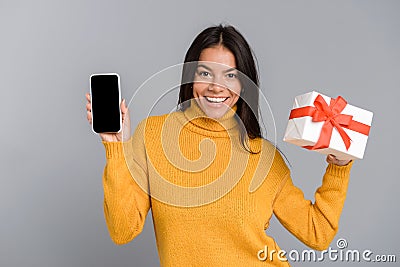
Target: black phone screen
[(105, 94)]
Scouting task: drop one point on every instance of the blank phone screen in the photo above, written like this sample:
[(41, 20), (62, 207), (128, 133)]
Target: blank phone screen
[(105, 103)]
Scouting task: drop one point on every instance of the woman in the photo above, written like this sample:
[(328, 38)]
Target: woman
[(209, 177)]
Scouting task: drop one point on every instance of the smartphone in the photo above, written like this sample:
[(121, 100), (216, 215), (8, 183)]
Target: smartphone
[(106, 99)]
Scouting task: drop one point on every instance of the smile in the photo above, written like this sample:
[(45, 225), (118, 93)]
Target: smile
[(215, 99)]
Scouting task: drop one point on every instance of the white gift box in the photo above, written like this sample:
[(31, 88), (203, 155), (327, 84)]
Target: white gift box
[(303, 131)]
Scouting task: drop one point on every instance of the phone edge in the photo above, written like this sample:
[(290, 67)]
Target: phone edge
[(119, 99)]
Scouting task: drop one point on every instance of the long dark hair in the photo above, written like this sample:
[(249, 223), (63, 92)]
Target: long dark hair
[(247, 105)]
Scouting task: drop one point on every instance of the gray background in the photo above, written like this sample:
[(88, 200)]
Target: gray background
[(51, 163)]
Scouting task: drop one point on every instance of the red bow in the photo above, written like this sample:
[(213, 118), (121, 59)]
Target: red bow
[(332, 118)]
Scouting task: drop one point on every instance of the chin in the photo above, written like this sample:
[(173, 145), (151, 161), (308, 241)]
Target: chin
[(217, 113), (214, 112)]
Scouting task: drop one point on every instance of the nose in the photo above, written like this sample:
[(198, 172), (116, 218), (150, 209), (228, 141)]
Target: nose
[(216, 86)]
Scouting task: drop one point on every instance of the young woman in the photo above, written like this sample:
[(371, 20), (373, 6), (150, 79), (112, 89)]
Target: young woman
[(210, 178)]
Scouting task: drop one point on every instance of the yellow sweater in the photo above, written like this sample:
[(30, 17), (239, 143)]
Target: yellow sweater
[(211, 200)]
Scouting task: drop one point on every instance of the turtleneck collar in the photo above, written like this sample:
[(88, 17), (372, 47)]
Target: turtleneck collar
[(196, 119)]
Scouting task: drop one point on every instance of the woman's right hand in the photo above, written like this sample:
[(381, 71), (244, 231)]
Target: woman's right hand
[(124, 134)]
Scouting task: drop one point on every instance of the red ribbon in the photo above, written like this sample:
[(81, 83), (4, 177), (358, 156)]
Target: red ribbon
[(332, 117)]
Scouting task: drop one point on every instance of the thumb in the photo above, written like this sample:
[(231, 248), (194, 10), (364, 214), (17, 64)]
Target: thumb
[(123, 106)]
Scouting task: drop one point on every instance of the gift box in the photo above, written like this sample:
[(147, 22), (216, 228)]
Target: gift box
[(329, 126)]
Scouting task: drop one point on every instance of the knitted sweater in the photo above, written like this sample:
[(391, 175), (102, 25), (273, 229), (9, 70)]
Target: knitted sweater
[(211, 200)]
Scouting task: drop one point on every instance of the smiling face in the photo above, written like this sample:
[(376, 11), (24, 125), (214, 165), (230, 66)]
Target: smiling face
[(216, 86)]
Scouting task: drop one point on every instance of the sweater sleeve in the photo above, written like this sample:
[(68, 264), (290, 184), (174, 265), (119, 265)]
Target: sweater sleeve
[(126, 204), (314, 224)]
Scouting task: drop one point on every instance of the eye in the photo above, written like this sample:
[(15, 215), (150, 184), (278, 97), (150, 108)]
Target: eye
[(204, 74), (231, 75)]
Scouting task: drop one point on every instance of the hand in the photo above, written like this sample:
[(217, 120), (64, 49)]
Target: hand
[(123, 135), (332, 159)]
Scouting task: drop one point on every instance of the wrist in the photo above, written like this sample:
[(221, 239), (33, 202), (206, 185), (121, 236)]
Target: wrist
[(343, 163)]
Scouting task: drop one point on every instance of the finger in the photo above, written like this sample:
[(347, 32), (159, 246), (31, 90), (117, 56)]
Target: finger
[(89, 116), (333, 160), (88, 97), (332, 157), (124, 109), (88, 107)]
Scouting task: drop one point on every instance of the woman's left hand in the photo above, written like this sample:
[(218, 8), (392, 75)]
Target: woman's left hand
[(332, 159)]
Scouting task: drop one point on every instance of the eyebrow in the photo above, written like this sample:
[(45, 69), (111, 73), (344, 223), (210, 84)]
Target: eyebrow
[(208, 68)]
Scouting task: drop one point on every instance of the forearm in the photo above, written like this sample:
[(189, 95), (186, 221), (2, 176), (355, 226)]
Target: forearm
[(314, 224), (125, 204)]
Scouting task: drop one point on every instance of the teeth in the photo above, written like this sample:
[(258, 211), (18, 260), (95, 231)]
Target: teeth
[(216, 99)]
